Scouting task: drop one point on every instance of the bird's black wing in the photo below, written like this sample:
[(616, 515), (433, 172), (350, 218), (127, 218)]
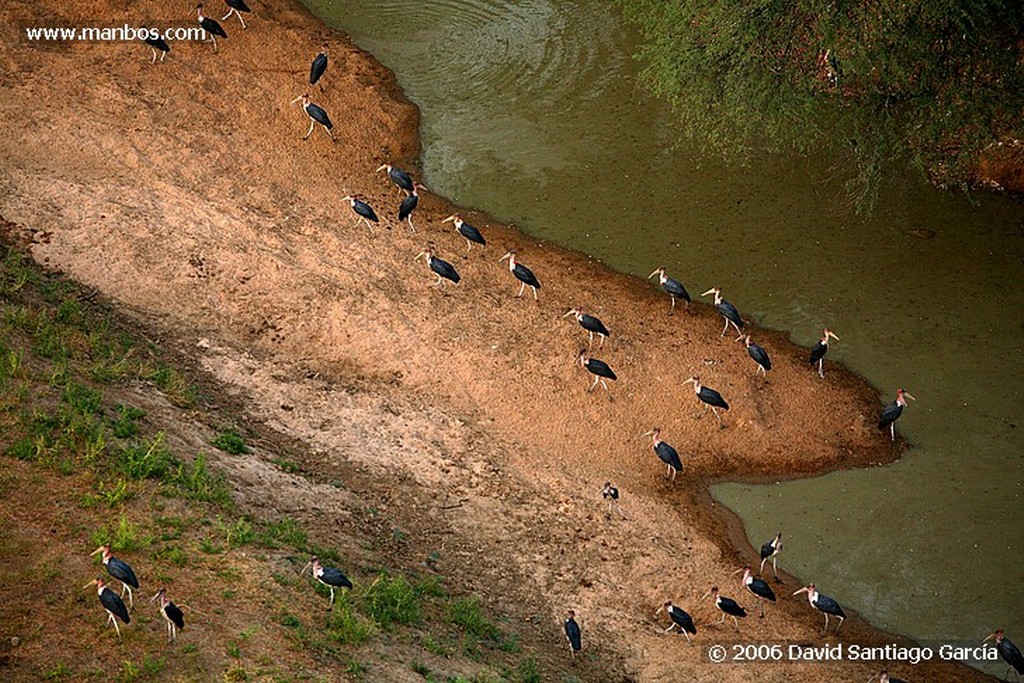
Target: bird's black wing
[(334, 577), (572, 632), (818, 352), (115, 605), (408, 206), (175, 614), (316, 70), (890, 414), (471, 233)]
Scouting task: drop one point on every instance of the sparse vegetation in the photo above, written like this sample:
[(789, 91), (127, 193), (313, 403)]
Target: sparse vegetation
[(230, 442)]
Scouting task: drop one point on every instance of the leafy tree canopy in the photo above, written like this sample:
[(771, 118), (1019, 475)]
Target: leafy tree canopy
[(929, 82)]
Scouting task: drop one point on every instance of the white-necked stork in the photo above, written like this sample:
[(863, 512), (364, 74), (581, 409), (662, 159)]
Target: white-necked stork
[(759, 355), (111, 603), (120, 570), (521, 273), (409, 205), (825, 605), (156, 43), (469, 232), (665, 453), (172, 614), (680, 619), (1008, 651), (727, 606), (362, 209), (590, 323), (892, 412), (328, 576), (758, 587), (611, 494), (319, 66), (210, 26), (770, 551), (598, 368), (727, 311), (236, 7), (573, 634), (674, 288), (442, 269), (819, 350), (708, 396), (399, 177), (316, 115)]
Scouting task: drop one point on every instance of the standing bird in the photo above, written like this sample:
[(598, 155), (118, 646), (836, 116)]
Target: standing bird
[(399, 177), (316, 115), (611, 494), (674, 288), (825, 605), (443, 269), (409, 205), (171, 613), (362, 209), (757, 587), (328, 576), (120, 570), (820, 349), (892, 412), (770, 551), (1008, 651), (466, 230), (727, 311), (318, 67), (727, 606), (573, 634), (666, 454), (155, 42), (760, 356), (590, 324), (210, 26), (522, 273), (598, 368), (709, 397), (680, 619), (236, 7), (884, 677), (113, 604)]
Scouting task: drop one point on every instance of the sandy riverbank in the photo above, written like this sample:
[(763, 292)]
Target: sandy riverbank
[(184, 191)]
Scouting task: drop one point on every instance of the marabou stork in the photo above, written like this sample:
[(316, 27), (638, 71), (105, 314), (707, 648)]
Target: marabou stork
[(770, 551), (318, 67), (399, 177), (674, 288), (210, 26), (709, 397), (892, 412), (727, 311), (1008, 651), (409, 205), (727, 606), (759, 355), (470, 233), (590, 324), (757, 587), (665, 453), (573, 634), (362, 209), (112, 603), (825, 605), (316, 115), (820, 349), (120, 570), (155, 43), (171, 613), (522, 273), (328, 576), (680, 619), (236, 7), (611, 494), (884, 677), (441, 268), (598, 368)]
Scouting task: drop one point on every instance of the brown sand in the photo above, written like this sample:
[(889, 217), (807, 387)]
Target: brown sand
[(184, 192)]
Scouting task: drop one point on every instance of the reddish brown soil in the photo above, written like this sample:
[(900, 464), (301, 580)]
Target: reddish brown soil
[(184, 192)]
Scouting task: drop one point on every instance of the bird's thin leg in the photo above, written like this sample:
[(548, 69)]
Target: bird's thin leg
[(739, 337), (672, 310), (411, 226), (687, 637), (892, 431), (310, 131), (228, 14), (725, 328), (215, 43), (116, 627), (775, 566), (826, 623), (368, 225), (332, 595), (736, 623), (821, 368), (591, 340), (534, 292), (762, 608), (761, 570), (596, 379), (522, 287), (715, 411), (841, 620), (469, 246), (162, 55), (618, 508), (601, 345), (604, 385), (153, 61), (329, 132), (703, 412), (131, 598), (240, 18), (674, 473), (438, 282), (722, 620), (670, 627)]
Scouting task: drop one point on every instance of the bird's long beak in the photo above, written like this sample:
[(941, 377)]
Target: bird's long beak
[(909, 395), (705, 595), (832, 334), (447, 220), (307, 565), (654, 273), (158, 593), (989, 637), (738, 571), (508, 255), (93, 583), (569, 313), (690, 381), (802, 590), (647, 434), (96, 552), (297, 99), (347, 198), (660, 610), (422, 253), (381, 167), (710, 291)]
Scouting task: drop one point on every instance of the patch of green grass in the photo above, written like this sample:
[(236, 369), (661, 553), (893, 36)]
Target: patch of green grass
[(172, 554), (124, 536), (355, 669), (286, 465), (420, 668), (344, 625), (59, 672), (435, 647), (125, 425), (285, 532), (392, 600), (194, 481), (234, 650), (147, 460), (173, 527), (236, 674), (116, 493), (237, 533), (527, 671), (465, 612), (229, 441)]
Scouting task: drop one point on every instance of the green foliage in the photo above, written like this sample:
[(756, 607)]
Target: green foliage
[(392, 600), (195, 482), (344, 625), (230, 442), (285, 532), (124, 536), (149, 460), (932, 82)]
